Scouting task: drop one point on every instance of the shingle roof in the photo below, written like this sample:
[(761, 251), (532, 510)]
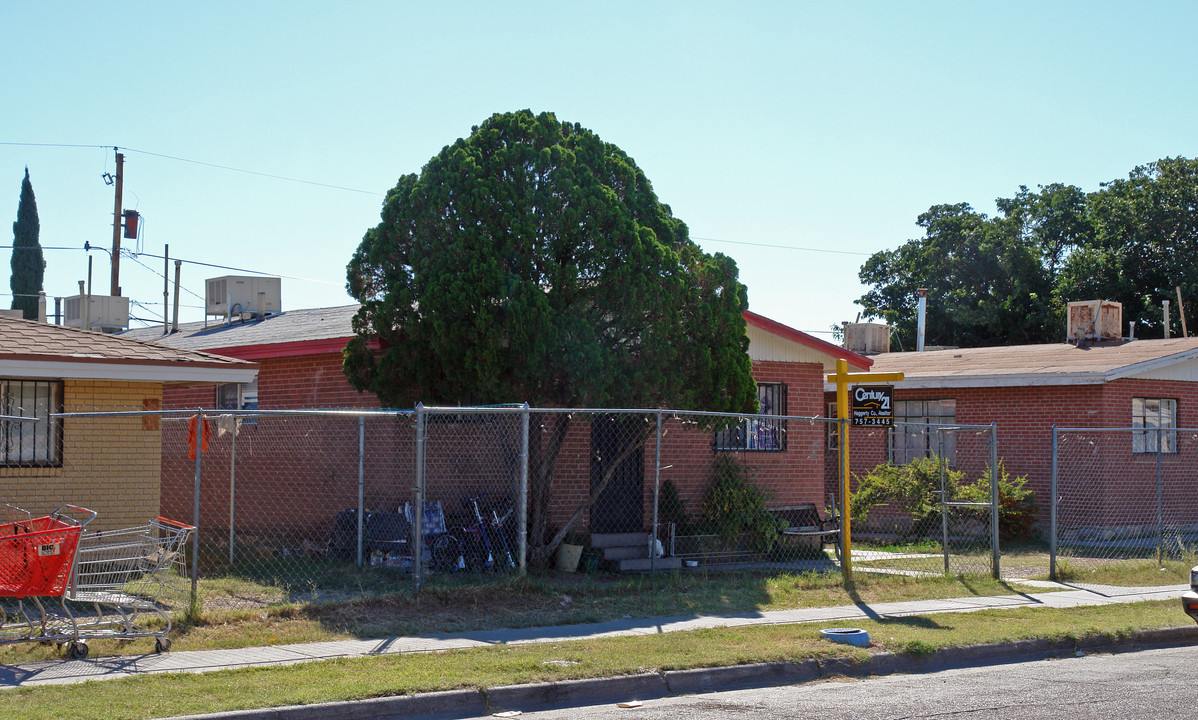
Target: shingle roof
[(31, 348), (293, 326), (1037, 364)]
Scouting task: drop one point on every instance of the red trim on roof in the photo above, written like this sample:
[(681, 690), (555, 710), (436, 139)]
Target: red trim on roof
[(298, 348), (284, 349), (776, 328)]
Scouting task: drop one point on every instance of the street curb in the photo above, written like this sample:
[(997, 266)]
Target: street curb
[(650, 686)]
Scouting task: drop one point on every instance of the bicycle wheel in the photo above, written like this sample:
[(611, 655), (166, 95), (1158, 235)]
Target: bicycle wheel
[(446, 552)]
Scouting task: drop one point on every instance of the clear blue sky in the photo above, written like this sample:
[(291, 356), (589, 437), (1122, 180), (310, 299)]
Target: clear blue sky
[(823, 128)]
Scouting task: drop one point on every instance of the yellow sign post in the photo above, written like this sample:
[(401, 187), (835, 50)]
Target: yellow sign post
[(842, 378)]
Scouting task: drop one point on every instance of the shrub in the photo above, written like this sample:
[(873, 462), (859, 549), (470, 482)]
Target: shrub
[(915, 488), (1016, 506), (670, 508), (734, 507)]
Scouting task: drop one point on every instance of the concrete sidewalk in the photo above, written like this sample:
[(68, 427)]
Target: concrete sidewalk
[(75, 671)]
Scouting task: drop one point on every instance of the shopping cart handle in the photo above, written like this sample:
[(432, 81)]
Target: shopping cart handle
[(91, 514), (176, 523)]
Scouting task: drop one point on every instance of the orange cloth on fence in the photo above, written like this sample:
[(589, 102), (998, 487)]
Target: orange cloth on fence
[(191, 437)]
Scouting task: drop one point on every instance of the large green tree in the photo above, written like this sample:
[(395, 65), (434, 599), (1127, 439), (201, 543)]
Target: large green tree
[(28, 265), (1007, 279), (985, 283), (532, 261), (1145, 245)]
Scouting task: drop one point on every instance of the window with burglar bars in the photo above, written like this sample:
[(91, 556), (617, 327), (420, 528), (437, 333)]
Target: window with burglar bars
[(759, 433), (1155, 416), (37, 441), (914, 435)]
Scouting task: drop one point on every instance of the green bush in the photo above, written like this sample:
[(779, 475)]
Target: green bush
[(670, 508), (1016, 506), (915, 488), (734, 507)]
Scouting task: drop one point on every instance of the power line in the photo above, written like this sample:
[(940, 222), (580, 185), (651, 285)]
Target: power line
[(244, 270), (218, 166), (56, 145), (254, 172), (782, 247)]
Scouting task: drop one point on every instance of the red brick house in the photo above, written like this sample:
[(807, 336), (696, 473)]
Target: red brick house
[(1027, 389), (299, 355)]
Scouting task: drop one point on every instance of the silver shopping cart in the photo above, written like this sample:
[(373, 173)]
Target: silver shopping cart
[(131, 579), (36, 559)]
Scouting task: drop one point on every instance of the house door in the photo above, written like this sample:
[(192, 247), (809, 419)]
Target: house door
[(620, 507)]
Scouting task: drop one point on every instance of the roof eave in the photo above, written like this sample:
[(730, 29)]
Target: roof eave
[(993, 381), (130, 372), (1150, 365), (802, 338)]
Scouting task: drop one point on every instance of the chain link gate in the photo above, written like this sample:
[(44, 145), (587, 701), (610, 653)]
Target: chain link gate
[(924, 498)]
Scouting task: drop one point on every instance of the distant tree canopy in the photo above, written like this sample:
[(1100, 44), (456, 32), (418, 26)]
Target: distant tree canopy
[(28, 264), (533, 262), (1006, 279)]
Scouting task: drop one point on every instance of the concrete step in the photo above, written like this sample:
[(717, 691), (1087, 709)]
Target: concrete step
[(607, 540), (623, 553), (635, 564)]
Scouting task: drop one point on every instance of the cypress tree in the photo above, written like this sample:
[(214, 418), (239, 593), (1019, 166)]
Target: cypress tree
[(28, 265)]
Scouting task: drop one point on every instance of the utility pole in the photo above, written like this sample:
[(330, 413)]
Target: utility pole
[(116, 224)]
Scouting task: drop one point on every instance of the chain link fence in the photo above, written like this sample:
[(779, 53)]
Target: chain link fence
[(924, 497), (299, 506), (1122, 495)]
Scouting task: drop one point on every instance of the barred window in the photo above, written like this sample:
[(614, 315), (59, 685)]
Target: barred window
[(758, 433), (1155, 416), (36, 441), (914, 433)]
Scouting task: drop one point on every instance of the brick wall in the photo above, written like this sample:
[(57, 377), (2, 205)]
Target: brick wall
[(314, 478), (1025, 416), (110, 465)]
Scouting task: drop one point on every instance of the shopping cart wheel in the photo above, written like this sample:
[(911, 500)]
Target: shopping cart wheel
[(162, 644), (77, 650)]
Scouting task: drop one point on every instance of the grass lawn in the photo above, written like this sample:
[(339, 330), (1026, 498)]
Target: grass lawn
[(452, 603), (348, 679)]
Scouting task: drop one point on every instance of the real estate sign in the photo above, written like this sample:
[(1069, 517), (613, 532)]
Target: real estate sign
[(871, 406)]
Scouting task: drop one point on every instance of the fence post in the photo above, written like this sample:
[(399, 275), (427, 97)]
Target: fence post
[(1160, 530), (1052, 511), (361, 480), (653, 540), (200, 434), (522, 497), (418, 500), (846, 516), (232, 486), (943, 497), (995, 507)]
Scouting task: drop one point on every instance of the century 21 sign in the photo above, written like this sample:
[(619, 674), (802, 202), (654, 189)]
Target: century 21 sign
[(871, 406)]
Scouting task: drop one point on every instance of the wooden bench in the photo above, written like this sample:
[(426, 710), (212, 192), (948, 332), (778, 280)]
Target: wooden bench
[(803, 520)]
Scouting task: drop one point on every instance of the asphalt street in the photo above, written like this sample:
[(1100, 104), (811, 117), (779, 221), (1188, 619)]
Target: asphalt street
[(1150, 684)]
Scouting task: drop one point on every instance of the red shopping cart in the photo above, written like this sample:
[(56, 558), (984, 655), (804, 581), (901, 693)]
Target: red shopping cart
[(36, 559)]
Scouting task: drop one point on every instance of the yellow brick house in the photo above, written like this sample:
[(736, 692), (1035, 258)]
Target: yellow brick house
[(111, 464)]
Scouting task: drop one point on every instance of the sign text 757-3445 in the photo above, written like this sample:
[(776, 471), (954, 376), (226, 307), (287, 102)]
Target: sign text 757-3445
[(870, 406)]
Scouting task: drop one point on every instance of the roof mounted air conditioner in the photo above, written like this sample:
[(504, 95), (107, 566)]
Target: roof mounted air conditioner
[(109, 313), (243, 296), (1094, 321)]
